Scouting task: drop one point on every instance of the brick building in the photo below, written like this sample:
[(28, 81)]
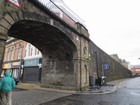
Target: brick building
[(135, 69), (21, 59)]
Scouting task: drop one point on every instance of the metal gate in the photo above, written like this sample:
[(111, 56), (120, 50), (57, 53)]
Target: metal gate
[(31, 74)]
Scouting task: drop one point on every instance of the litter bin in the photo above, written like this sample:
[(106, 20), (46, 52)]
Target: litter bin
[(91, 81), (101, 81), (98, 81)]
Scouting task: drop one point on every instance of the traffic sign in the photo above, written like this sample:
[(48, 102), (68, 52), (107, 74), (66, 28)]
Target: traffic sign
[(105, 66)]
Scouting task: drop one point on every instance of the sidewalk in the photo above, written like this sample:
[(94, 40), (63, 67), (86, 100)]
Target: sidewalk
[(108, 88), (32, 86)]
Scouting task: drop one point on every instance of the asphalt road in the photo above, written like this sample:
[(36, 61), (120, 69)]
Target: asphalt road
[(128, 93), (34, 97)]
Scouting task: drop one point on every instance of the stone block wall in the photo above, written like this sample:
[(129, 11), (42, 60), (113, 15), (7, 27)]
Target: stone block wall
[(98, 57)]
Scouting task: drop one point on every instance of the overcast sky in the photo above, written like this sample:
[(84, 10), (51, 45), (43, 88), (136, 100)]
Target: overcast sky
[(114, 25)]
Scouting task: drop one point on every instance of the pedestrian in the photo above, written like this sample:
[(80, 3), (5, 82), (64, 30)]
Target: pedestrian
[(7, 84)]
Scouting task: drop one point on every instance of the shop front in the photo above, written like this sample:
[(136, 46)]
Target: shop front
[(5, 67), (32, 70), (14, 68), (17, 70)]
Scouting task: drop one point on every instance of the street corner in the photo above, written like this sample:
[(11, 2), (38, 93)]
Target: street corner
[(106, 89)]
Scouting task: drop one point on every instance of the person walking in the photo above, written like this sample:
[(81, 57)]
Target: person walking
[(7, 84)]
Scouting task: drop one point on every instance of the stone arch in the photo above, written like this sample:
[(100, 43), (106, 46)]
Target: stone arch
[(46, 33)]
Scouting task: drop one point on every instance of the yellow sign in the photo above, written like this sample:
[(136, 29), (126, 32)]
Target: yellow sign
[(6, 66)]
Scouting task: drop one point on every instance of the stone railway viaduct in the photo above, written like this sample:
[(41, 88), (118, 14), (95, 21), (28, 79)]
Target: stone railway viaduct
[(69, 56)]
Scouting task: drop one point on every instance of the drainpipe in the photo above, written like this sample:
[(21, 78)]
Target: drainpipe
[(80, 67), (96, 57)]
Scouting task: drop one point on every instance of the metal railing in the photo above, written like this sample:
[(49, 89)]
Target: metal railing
[(62, 11)]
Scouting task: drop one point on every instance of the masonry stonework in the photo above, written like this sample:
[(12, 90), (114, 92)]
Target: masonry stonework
[(98, 58), (64, 48), (68, 55)]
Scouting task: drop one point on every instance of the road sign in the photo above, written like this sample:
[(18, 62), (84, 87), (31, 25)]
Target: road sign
[(105, 66), (14, 2)]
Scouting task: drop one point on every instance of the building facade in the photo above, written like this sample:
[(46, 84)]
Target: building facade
[(21, 56), (135, 69)]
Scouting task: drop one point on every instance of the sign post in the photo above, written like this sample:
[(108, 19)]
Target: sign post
[(104, 66)]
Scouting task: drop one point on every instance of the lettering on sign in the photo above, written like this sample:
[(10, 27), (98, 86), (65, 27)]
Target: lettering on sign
[(14, 2), (31, 62)]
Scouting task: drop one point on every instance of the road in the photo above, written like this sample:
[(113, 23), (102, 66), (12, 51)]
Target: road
[(35, 96), (128, 93)]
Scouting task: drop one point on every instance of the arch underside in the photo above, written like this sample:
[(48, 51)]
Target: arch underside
[(57, 49)]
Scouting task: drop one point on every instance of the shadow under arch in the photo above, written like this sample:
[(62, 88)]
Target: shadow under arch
[(58, 51)]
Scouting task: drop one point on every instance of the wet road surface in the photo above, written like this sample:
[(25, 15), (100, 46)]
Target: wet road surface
[(128, 93)]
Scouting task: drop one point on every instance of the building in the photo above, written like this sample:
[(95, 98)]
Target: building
[(121, 61), (32, 64), (22, 59), (135, 69)]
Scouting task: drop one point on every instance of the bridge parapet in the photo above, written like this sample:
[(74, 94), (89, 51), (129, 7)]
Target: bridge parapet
[(64, 13)]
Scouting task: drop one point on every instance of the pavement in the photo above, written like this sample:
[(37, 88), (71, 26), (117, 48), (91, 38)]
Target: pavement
[(110, 87), (33, 94)]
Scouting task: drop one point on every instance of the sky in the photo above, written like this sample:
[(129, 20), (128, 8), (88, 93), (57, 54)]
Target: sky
[(113, 25)]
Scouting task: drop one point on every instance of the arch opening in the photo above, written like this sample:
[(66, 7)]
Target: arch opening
[(58, 51)]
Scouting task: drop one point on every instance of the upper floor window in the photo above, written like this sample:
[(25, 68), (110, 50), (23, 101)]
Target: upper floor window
[(31, 51), (12, 53), (28, 49), (19, 51), (8, 54)]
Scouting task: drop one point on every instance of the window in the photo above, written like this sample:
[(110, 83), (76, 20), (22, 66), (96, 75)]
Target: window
[(28, 49), (8, 54), (12, 53), (19, 51)]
